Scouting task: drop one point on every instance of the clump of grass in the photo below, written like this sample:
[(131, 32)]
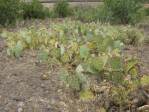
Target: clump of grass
[(61, 8), (34, 9)]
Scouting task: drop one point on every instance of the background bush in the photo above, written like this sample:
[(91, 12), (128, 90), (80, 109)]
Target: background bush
[(125, 11), (85, 13), (10, 11), (90, 13), (147, 11), (34, 9), (113, 11), (61, 8)]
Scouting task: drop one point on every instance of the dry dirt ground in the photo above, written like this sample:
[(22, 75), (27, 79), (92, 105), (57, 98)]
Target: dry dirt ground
[(23, 90)]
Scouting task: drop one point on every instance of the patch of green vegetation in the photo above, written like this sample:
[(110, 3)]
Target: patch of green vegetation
[(113, 11), (125, 11), (34, 9), (84, 50), (147, 11), (14, 10), (61, 8), (10, 11), (89, 14), (86, 95), (145, 80)]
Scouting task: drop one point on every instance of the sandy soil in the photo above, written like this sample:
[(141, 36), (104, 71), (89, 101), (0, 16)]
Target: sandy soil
[(23, 90)]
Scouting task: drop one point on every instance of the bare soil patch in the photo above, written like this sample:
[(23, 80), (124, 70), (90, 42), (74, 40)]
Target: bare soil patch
[(23, 90)]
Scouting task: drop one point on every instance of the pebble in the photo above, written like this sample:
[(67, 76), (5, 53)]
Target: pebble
[(20, 109), (20, 106), (44, 77)]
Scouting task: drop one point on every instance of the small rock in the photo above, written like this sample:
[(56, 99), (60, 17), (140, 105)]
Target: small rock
[(20, 109), (45, 77), (63, 104), (20, 106), (42, 85)]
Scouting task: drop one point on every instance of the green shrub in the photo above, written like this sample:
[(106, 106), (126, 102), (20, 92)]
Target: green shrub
[(114, 11), (92, 14), (125, 11), (147, 11), (61, 8), (34, 9), (10, 11), (103, 15), (85, 13)]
